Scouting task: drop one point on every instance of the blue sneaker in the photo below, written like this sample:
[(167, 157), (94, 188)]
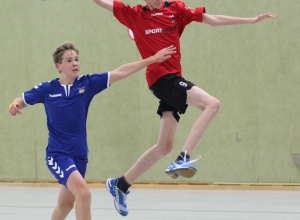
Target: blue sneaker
[(171, 172), (119, 197), (182, 168)]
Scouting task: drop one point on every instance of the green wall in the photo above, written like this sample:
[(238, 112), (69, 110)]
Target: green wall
[(252, 69)]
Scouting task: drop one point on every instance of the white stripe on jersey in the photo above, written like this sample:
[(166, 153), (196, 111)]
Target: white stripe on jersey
[(67, 89)]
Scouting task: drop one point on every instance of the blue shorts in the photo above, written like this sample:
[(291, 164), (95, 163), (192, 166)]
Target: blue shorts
[(61, 166)]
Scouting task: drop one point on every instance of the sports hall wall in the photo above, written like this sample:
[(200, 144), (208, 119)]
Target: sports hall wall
[(252, 69)]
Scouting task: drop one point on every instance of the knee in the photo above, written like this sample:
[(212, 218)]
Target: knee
[(168, 149), (84, 195), (165, 149), (67, 206)]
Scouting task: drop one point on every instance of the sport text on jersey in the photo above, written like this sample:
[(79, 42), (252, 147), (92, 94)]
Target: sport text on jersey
[(160, 30)]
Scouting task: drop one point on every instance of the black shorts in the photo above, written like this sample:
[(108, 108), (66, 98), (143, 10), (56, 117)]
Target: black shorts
[(171, 91)]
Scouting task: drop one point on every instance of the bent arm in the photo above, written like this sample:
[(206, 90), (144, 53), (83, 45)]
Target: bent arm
[(107, 4), (16, 105), (130, 68), (220, 20)]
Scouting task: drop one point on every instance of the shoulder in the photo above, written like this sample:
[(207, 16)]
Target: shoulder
[(92, 77), (45, 84), (82, 77), (174, 6), (122, 5)]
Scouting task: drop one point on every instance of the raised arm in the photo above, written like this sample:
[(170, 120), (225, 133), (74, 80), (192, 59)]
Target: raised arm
[(107, 4), (131, 68), (16, 105), (219, 20)]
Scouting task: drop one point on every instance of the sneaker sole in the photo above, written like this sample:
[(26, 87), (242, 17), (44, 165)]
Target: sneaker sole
[(172, 174), (187, 173)]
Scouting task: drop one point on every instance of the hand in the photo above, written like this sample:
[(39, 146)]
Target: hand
[(164, 54), (13, 108), (261, 17)]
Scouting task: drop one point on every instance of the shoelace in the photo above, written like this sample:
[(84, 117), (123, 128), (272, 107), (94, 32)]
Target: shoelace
[(191, 161), (125, 199), (123, 194)]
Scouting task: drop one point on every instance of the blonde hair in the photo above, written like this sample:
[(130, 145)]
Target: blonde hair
[(60, 51)]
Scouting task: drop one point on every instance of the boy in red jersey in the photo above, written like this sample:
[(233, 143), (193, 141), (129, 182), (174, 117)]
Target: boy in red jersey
[(155, 26)]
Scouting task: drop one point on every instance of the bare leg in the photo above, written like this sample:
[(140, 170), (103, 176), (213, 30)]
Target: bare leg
[(195, 97), (65, 204), (164, 146), (209, 105), (77, 185)]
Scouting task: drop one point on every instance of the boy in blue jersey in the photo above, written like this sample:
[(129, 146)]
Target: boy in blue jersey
[(66, 101)]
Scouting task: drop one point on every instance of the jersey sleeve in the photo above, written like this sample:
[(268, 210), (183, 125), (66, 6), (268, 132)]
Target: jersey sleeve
[(99, 81), (188, 14), (36, 94), (124, 13)]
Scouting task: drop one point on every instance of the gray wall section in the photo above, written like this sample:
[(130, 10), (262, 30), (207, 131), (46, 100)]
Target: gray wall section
[(252, 69)]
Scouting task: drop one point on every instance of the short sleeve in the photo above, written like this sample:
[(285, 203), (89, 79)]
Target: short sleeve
[(125, 13), (36, 94), (99, 81), (189, 14)]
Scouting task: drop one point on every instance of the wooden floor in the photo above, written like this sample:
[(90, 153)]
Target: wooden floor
[(161, 201)]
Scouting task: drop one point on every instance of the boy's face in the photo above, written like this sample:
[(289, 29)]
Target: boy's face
[(70, 65), (153, 4)]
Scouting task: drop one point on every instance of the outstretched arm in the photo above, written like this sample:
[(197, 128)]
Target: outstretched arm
[(16, 105), (107, 4), (219, 20), (131, 68)]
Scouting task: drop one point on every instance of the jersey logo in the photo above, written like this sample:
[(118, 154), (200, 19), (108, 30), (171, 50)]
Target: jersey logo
[(172, 17), (81, 90), (55, 95), (55, 167), (157, 14)]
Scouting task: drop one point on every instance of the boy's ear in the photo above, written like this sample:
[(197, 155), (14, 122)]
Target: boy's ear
[(57, 66)]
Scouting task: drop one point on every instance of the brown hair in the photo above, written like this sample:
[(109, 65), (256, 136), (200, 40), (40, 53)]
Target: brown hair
[(60, 51)]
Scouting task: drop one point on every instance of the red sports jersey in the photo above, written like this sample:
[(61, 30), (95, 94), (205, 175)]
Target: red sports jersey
[(156, 29)]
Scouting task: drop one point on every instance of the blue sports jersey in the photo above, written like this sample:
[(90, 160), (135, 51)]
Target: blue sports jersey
[(66, 108)]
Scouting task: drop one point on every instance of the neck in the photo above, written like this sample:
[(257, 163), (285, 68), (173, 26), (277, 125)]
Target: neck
[(154, 7), (66, 81)]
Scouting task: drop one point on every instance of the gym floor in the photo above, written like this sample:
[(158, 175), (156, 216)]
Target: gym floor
[(19, 202)]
